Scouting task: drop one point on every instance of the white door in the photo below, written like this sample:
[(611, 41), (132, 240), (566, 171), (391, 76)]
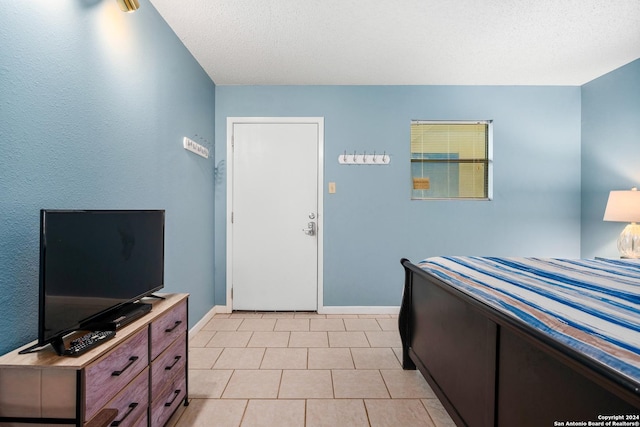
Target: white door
[(274, 214)]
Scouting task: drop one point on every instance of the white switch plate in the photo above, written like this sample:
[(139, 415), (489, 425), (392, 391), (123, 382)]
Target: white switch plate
[(332, 187)]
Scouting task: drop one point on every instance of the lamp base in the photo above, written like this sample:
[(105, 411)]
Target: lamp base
[(629, 241), (128, 5)]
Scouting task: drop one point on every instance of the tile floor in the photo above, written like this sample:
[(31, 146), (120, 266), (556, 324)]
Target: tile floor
[(304, 369)]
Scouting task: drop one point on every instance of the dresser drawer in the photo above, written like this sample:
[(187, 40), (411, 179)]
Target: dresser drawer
[(168, 400), (110, 374), (143, 421), (132, 402), (172, 360), (167, 328)]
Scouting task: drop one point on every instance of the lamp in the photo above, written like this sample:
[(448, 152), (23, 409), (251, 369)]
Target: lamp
[(624, 206), (128, 5)]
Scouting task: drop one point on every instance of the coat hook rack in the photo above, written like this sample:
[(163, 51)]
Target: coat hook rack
[(364, 158)]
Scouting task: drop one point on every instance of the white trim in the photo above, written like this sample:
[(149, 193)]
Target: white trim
[(320, 219), (356, 309), (205, 319), (223, 309), (490, 158)]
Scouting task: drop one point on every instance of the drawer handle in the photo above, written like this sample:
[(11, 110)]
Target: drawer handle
[(176, 394), (126, 414), (178, 322), (132, 359), (168, 368)]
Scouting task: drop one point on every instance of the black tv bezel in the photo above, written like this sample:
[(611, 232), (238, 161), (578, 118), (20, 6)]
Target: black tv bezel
[(58, 336)]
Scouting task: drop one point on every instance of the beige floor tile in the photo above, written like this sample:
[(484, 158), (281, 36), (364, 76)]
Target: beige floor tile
[(278, 315), (269, 339), (358, 384), (330, 358), (240, 358), (297, 368), (306, 384), (336, 412), (207, 383), (361, 325), (375, 358), (201, 412), (253, 384), (438, 414), (284, 358), (308, 339), (348, 339), (230, 339), (292, 325), (201, 338), (270, 413), (384, 338), (257, 325), (246, 315), (398, 352), (308, 315), (407, 384), (221, 324), (326, 325), (397, 412), (203, 358), (388, 324)]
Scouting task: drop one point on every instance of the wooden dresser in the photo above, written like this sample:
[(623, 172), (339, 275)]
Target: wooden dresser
[(141, 373)]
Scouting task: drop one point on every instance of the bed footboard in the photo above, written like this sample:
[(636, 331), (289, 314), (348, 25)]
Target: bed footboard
[(452, 345), (404, 319), (488, 370)]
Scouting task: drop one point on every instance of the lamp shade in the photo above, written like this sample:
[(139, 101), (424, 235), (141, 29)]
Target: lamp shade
[(623, 206)]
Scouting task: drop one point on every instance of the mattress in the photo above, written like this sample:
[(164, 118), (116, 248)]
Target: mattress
[(591, 306)]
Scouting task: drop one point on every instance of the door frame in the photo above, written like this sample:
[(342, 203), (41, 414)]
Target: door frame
[(320, 191)]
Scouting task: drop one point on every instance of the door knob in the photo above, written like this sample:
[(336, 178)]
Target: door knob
[(311, 231)]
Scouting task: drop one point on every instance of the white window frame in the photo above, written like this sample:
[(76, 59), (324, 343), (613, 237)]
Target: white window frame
[(489, 124)]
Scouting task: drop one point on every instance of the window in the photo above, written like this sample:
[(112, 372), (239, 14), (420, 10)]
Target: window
[(451, 160)]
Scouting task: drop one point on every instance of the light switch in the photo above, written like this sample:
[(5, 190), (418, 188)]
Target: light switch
[(332, 187)]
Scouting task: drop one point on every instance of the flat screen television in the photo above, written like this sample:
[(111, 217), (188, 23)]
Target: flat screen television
[(93, 263)]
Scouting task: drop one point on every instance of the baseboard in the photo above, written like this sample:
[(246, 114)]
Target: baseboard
[(206, 318), (339, 309)]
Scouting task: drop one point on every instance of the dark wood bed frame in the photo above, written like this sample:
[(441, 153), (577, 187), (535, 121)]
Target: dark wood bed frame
[(490, 370)]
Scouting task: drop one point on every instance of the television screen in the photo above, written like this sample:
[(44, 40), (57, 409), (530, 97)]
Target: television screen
[(94, 261)]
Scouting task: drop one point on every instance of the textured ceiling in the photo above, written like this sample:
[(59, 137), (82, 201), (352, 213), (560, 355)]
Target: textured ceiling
[(406, 42)]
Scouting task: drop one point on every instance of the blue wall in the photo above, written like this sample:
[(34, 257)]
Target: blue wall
[(610, 152), (94, 104), (370, 223), (93, 107)]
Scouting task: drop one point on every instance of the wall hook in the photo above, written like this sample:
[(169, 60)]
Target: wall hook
[(364, 158)]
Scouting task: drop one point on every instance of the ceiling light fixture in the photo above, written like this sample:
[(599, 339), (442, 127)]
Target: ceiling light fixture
[(128, 5)]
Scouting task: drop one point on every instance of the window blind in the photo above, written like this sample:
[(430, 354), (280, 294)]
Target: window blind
[(450, 159)]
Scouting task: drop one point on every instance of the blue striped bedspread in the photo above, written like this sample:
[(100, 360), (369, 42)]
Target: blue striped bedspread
[(592, 306)]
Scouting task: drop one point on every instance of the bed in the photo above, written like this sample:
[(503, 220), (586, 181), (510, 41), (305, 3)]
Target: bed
[(526, 341)]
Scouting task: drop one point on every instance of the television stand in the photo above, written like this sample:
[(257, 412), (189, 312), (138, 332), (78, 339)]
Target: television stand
[(58, 346)]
